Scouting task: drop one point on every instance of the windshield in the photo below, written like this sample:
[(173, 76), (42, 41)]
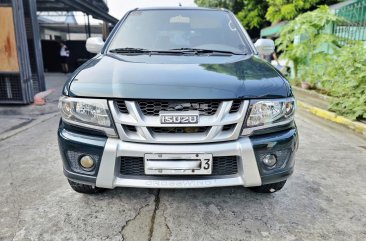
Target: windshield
[(179, 29)]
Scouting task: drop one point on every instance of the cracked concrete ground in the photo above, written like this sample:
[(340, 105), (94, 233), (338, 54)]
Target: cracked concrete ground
[(325, 199)]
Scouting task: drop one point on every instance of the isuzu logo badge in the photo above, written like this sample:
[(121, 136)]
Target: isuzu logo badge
[(179, 118)]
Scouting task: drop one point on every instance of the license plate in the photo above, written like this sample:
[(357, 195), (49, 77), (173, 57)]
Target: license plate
[(178, 164)]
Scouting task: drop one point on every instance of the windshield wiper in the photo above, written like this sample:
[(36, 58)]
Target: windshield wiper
[(143, 51), (130, 51), (173, 51), (205, 51)]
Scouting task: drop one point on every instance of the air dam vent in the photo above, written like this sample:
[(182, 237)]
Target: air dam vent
[(198, 129)]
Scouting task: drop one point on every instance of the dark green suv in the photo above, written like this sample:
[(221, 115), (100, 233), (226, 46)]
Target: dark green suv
[(177, 98)]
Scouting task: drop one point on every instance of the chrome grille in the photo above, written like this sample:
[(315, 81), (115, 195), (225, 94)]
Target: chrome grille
[(122, 106), (199, 129), (236, 106), (139, 121), (228, 127), (153, 108), (221, 165), (129, 128)]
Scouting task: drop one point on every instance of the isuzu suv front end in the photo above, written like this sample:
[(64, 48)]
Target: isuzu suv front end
[(190, 107)]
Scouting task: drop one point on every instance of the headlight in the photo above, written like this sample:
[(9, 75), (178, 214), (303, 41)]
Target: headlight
[(92, 113), (267, 113)]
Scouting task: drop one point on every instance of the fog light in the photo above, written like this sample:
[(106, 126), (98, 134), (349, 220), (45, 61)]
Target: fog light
[(87, 162), (270, 160)]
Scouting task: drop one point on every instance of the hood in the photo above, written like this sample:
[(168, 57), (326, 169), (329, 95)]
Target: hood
[(178, 77)]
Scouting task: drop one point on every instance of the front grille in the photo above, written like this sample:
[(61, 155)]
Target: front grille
[(223, 165), (122, 106), (199, 129), (153, 108), (236, 106), (228, 127), (129, 128), (140, 121)]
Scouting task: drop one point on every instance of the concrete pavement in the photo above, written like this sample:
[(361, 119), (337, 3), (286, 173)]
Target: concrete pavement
[(318, 105), (325, 199), (15, 117)]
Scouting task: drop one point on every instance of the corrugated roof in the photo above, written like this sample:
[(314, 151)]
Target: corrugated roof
[(97, 8), (69, 18)]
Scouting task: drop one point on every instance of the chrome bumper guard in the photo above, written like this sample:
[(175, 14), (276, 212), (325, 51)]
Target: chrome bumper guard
[(109, 171)]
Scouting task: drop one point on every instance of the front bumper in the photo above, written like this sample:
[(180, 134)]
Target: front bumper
[(107, 153)]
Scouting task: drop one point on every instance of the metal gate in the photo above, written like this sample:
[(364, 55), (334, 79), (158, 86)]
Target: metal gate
[(354, 28), (16, 85)]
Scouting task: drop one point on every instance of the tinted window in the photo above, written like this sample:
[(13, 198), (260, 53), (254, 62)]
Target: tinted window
[(172, 29)]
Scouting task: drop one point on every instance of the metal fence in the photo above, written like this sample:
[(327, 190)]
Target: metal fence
[(354, 28), (16, 87)]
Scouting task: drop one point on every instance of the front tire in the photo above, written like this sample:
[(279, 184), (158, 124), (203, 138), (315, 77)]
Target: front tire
[(269, 188), (83, 188)]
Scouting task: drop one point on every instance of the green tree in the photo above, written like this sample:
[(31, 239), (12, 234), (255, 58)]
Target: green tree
[(346, 81), (233, 5), (289, 9), (256, 13), (307, 55), (340, 71), (251, 13)]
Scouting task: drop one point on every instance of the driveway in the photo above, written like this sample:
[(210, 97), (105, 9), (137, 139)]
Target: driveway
[(325, 199)]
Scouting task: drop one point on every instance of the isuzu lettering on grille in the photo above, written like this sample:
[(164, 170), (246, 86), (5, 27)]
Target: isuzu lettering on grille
[(178, 119)]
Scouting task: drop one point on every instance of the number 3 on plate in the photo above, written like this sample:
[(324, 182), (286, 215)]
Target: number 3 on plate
[(206, 166)]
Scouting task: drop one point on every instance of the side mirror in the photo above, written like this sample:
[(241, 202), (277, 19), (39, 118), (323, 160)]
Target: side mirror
[(265, 46), (94, 44)]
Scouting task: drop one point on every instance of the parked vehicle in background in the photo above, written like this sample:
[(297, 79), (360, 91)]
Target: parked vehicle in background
[(177, 98)]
